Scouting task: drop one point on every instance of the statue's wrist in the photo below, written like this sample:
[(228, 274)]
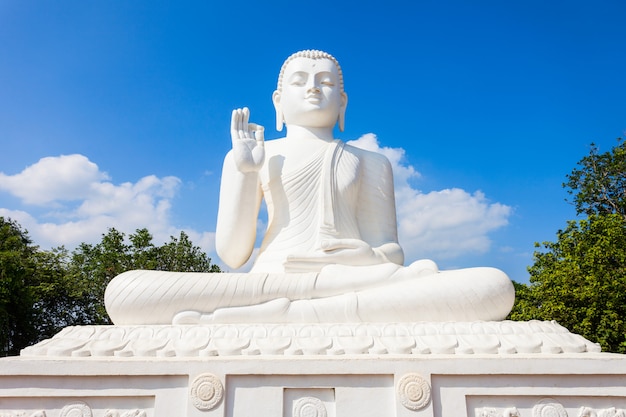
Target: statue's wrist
[(253, 171)]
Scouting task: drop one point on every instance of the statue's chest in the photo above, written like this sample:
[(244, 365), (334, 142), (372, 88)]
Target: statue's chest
[(344, 175), (309, 176)]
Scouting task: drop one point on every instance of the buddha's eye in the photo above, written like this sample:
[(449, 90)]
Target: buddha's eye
[(326, 80), (297, 80)]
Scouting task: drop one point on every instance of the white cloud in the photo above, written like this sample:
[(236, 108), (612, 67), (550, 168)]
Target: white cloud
[(440, 224), (69, 200), (60, 178), (401, 173), (85, 203)]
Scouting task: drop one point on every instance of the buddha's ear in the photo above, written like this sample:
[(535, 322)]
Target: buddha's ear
[(280, 119), (342, 111)]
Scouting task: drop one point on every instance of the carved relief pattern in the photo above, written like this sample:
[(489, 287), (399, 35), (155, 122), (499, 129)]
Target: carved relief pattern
[(77, 409), (493, 412), (309, 407), (548, 408), (413, 391), (16, 414), (487, 412), (612, 412), (206, 392), (131, 413), (607, 412), (534, 337)]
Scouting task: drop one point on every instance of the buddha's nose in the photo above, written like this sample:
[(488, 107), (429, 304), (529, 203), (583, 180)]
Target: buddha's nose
[(314, 89)]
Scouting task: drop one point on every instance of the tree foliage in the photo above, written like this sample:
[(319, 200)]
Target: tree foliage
[(580, 280), (92, 267), (43, 291), (17, 276), (599, 184)]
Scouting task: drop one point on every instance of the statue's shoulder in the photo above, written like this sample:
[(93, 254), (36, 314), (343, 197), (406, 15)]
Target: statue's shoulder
[(373, 160)]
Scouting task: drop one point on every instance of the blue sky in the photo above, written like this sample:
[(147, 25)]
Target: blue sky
[(116, 113)]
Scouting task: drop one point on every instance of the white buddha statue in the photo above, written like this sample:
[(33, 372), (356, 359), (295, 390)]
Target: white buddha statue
[(330, 252)]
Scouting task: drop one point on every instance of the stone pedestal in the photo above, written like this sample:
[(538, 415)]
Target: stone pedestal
[(405, 370)]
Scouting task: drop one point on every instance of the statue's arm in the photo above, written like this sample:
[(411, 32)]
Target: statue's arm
[(377, 208), (240, 191), (240, 200)]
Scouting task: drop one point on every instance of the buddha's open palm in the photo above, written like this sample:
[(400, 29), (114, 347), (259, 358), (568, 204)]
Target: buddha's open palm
[(248, 141)]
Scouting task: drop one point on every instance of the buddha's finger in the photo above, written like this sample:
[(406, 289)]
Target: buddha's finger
[(245, 113), (234, 125), (259, 131), (240, 131)]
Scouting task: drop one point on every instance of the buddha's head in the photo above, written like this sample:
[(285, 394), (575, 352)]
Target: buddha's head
[(310, 91)]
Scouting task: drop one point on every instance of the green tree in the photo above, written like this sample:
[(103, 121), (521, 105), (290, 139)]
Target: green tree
[(58, 302), (35, 294), (599, 184), (43, 291), (17, 272), (180, 255), (580, 280), (92, 267)]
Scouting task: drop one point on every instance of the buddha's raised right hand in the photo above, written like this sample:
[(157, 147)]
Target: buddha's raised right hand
[(248, 142)]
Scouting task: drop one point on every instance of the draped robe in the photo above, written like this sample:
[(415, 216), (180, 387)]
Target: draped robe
[(317, 201), (339, 193)]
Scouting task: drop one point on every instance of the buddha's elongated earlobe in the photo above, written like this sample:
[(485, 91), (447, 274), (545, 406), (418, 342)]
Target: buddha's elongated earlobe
[(280, 119), (342, 111)]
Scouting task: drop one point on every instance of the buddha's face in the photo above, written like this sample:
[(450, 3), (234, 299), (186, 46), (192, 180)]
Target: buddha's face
[(311, 93)]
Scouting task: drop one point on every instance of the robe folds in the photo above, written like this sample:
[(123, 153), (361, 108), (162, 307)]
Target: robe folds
[(342, 192)]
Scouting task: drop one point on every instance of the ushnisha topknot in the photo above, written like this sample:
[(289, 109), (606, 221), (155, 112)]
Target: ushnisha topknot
[(312, 54)]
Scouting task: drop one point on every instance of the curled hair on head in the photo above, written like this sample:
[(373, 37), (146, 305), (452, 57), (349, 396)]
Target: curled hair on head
[(312, 54)]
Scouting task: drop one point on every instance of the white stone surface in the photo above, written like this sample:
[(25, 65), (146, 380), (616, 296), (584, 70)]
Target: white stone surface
[(330, 296), (329, 323), (403, 385), (330, 252), (456, 369), (422, 339)]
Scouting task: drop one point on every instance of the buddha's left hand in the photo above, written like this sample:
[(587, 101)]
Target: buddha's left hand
[(353, 252)]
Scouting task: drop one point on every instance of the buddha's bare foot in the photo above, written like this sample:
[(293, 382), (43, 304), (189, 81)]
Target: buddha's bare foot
[(274, 311), (418, 269), (187, 317)]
